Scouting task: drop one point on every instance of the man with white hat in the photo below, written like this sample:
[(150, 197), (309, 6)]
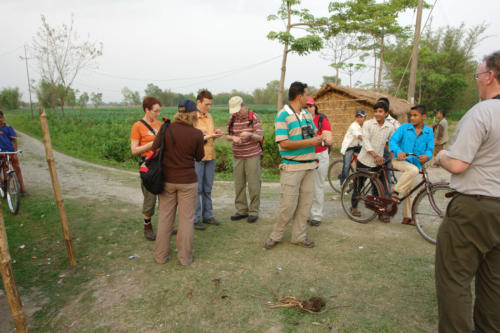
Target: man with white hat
[(245, 131)]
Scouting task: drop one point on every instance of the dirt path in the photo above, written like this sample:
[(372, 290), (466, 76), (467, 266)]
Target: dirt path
[(83, 179)]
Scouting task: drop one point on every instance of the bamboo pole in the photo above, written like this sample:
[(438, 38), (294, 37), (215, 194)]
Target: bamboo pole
[(57, 189), (16, 307)]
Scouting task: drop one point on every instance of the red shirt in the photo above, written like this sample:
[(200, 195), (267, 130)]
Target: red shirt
[(325, 126)]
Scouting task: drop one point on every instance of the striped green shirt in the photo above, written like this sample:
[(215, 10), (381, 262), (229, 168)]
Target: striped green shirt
[(288, 127)]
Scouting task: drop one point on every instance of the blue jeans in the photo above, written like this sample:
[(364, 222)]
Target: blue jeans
[(347, 165), (205, 170)]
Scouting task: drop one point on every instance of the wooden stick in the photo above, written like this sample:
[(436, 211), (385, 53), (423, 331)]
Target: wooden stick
[(16, 307), (57, 189)]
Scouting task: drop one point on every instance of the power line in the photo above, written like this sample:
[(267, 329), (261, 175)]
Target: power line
[(11, 51), (184, 78)]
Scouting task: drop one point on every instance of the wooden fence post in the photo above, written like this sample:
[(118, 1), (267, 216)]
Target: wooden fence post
[(57, 189), (16, 307)]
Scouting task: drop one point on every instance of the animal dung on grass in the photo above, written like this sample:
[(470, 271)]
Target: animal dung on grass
[(313, 304)]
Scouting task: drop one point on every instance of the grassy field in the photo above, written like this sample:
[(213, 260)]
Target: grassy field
[(374, 277), (103, 135)]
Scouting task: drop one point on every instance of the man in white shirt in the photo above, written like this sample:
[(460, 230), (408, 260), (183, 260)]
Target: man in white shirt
[(376, 133), (352, 143)]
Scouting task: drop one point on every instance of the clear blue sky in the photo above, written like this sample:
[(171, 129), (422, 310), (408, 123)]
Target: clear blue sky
[(187, 43)]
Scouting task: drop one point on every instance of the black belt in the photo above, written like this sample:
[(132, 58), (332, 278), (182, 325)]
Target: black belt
[(477, 196), (308, 161)]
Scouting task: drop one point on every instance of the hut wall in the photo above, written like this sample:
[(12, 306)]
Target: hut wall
[(340, 110)]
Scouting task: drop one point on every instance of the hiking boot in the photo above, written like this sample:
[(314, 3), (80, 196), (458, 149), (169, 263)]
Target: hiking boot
[(148, 231), (199, 226), (306, 244), (211, 220), (314, 223), (269, 243), (238, 216), (253, 218)]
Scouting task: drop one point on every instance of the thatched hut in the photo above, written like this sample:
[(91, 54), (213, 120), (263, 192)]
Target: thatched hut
[(340, 103)]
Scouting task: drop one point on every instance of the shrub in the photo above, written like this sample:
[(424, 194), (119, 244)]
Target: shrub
[(224, 159)]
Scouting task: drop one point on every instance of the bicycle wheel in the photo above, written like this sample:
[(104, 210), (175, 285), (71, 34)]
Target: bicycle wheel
[(334, 171), (428, 211), (355, 190), (13, 193), (3, 184)]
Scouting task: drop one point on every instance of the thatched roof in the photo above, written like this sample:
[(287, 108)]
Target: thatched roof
[(398, 107)]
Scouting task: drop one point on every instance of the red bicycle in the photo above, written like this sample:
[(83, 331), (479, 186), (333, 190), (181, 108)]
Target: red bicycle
[(364, 194), (9, 184)]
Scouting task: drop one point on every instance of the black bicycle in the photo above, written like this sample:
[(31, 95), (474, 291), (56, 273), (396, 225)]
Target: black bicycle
[(9, 184)]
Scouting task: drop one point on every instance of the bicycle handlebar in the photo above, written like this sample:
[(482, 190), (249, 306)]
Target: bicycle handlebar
[(10, 152)]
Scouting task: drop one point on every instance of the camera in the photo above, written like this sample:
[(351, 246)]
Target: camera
[(308, 132)]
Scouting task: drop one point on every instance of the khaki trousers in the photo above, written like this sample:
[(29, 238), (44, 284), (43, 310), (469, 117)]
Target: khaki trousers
[(247, 171), (405, 182), (295, 204), (468, 246), (319, 182), (149, 203), (181, 198)]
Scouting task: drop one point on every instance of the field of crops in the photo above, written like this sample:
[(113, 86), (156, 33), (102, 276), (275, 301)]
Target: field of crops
[(103, 135)]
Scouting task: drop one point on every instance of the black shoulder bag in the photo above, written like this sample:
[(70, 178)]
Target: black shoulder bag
[(151, 170)]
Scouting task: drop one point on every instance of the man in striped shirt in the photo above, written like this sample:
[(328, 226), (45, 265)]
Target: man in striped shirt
[(245, 131), (296, 136)]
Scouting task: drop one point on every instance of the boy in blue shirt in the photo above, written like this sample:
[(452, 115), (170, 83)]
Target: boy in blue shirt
[(8, 143), (415, 138)]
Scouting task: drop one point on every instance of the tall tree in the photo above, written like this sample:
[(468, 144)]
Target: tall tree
[(131, 97), (376, 21), (340, 49), (62, 55), (96, 99), (445, 67), (301, 45), (10, 98), (83, 100)]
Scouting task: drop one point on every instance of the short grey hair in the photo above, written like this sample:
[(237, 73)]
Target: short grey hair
[(493, 64)]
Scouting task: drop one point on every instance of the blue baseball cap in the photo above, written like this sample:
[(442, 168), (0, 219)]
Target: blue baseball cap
[(187, 105), (361, 113)]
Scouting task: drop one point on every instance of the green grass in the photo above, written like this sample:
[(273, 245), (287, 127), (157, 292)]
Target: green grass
[(374, 277), (103, 135)]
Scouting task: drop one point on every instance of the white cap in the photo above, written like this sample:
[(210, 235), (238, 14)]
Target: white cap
[(235, 104)]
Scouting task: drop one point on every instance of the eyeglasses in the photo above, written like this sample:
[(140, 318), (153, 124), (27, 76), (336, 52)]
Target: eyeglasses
[(476, 76)]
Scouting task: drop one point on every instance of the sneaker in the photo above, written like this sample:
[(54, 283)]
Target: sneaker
[(314, 223), (148, 232), (199, 226), (306, 244), (252, 219), (211, 220), (269, 243), (238, 216)]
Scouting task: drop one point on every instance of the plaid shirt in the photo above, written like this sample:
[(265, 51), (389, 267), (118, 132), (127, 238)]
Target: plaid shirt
[(374, 139)]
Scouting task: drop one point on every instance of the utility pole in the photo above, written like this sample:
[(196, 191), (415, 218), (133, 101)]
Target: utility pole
[(29, 83), (414, 57)]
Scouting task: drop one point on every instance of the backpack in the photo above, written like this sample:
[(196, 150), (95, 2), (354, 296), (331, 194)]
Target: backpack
[(151, 170), (250, 124)]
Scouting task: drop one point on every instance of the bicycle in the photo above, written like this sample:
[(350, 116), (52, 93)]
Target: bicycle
[(335, 170), (428, 207), (9, 184)]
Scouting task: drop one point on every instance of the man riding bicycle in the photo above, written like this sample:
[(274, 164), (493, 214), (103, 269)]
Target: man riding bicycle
[(8, 144), (415, 138)]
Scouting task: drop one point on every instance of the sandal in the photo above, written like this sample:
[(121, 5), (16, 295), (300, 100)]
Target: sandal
[(395, 197), (355, 212), (408, 221), (384, 218)]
